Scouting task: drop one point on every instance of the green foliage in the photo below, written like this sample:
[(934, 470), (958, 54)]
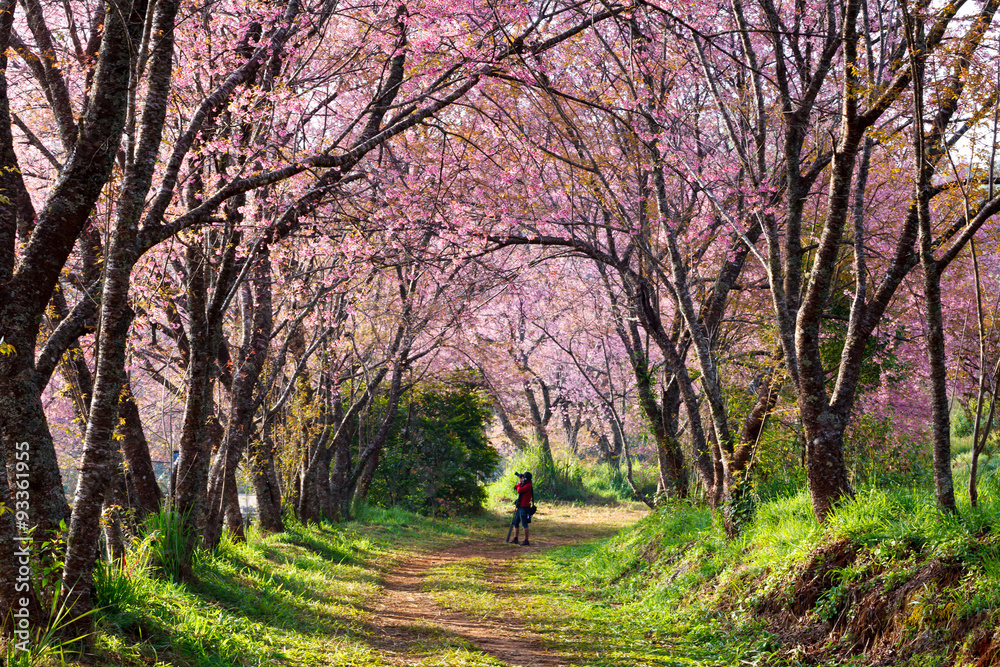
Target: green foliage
[(878, 454), (51, 642), (119, 586), (439, 456), (299, 597), (962, 423), (778, 469), (571, 480), (167, 539), (673, 585)]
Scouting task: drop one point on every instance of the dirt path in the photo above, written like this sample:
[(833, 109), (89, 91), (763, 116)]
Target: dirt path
[(406, 614)]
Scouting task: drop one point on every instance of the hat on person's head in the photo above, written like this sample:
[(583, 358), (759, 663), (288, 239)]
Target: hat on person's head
[(527, 476)]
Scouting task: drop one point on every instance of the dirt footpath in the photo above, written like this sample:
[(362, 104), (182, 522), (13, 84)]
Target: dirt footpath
[(406, 614)]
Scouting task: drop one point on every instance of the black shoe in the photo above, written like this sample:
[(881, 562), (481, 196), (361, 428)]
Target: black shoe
[(526, 543)]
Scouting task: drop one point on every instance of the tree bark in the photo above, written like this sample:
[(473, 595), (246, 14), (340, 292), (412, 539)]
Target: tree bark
[(265, 482), (116, 318), (363, 475), (200, 426), (139, 473), (571, 427), (341, 472), (257, 327), (315, 498), (933, 320), (509, 430), (540, 416)]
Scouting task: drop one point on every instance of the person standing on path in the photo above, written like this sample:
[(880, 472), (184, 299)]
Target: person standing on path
[(522, 515)]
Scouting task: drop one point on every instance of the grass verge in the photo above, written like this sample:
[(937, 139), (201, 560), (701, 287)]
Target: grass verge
[(886, 581), (301, 597)]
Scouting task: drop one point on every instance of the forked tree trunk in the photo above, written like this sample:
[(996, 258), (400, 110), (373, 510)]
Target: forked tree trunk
[(933, 319), (99, 460), (341, 471), (670, 457), (257, 326), (571, 427), (115, 504), (360, 480), (315, 500), (99, 463), (233, 513), (826, 469), (201, 429), (540, 417), (509, 430)]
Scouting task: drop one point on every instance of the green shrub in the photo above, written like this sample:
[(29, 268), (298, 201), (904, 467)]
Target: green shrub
[(439, 457), (961, 423)]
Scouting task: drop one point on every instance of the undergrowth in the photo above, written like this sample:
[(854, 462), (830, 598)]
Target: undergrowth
[(301, 597), (886, 580), (571, 480)]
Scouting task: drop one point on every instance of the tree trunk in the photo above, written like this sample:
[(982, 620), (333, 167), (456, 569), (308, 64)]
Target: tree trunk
[(981, 432), (540, 416), (257, 326), (367, 475), (99, 464), (265, 482), (116, 314), (15, 551), (234, 515), (200, 427), (361, 479), (940, 413), (943, 484), (315, 502), (509, 430), (826, 471), (571, 427), (339, 476), (672, 455), (139, 473), (35, 491)]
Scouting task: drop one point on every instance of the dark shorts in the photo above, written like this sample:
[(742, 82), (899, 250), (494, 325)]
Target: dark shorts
[(522, 518)]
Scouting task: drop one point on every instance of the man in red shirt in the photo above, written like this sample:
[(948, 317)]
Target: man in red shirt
[(523, 504)]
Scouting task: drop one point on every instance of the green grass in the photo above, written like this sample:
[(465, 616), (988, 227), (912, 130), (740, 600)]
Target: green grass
[(671, 590), (668, 590), (301, 597), (572, 480)]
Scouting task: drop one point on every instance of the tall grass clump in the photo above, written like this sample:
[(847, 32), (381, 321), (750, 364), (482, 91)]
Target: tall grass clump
[(121, 585), (49, 644), (784, 531), (167, 542)]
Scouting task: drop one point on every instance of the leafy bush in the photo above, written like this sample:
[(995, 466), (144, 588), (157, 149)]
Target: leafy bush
[(961, 423), (439, 456)]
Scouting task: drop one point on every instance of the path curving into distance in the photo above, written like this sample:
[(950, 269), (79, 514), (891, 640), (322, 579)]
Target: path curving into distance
[(407, 616)]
